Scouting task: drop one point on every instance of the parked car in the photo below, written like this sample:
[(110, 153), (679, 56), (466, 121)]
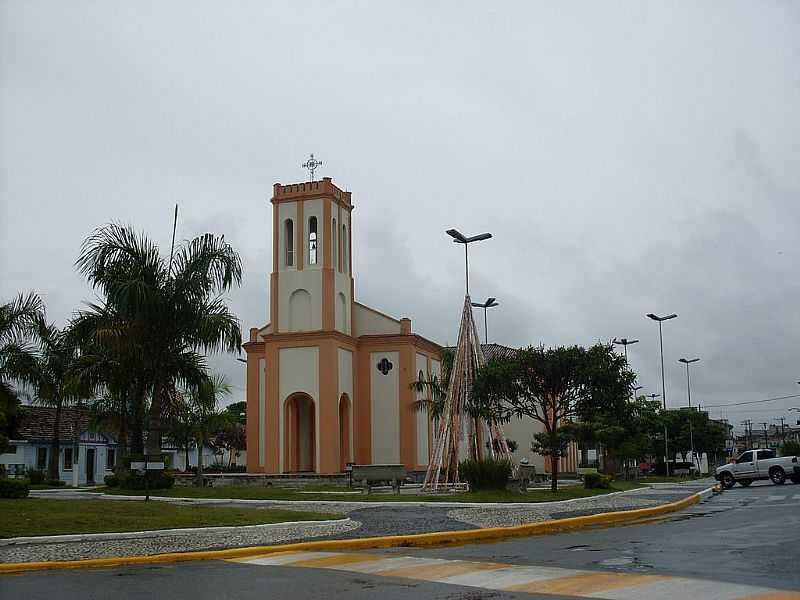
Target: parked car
[(759, 464)]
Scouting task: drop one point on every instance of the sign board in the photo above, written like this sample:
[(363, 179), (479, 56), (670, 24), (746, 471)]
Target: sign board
[(138, 466), (155, 466)]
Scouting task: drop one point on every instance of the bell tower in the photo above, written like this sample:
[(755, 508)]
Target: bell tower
[(311, 286)]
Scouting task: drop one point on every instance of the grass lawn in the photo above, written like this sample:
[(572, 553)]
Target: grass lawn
[(40, 516), (275, 493)]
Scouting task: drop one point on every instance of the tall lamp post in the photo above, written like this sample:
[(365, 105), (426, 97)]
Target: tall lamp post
[(660, 320), (460, 238), (635, 389), (687, 362), (625, 342), (490, 303)]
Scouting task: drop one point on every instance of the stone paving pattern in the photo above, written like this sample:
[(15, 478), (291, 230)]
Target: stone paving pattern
[(366, 521)]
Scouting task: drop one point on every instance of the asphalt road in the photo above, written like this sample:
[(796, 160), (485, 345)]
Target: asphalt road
[(746, 536)]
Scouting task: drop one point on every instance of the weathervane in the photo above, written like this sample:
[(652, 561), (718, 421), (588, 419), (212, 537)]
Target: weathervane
[(311, 164)]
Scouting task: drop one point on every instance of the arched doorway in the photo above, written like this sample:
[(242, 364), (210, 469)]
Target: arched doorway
[(299, 436), (344, 432)]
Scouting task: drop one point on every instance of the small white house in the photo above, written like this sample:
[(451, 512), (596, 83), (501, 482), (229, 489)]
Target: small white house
[(32, 445)]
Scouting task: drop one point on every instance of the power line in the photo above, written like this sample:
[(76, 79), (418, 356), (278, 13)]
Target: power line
[(751, 401)]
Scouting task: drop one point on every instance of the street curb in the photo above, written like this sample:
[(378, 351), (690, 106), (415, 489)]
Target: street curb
[(156, 533), (415, 540)]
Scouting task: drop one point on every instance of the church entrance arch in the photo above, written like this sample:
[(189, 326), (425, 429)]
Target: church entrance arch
[(299, 438), (344, 431)]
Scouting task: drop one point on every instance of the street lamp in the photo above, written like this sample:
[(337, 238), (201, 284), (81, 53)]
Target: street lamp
[(687, 362), (625, 342), (635, 388), (663, 386), (490, 302), (460, 238)]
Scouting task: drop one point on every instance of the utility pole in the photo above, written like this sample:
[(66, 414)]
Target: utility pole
[(748, 432), (783, 429), (766, 439)]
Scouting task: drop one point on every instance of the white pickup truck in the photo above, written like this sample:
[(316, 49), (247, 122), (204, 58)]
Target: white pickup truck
[(759, 464)]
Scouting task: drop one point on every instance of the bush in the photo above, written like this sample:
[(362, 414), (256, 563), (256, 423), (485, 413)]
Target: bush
[(111, 480), (56, 482), (156, 481), (485, 474), (790, 449), (35, 476), (14, 488), (596, 481)]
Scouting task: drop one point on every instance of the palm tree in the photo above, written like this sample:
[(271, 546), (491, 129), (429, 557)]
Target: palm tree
[(170, 312), (204, 408), (18, 325), (53, 384)]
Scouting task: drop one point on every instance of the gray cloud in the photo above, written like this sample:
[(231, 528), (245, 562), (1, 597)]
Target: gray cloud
[(628, 159)]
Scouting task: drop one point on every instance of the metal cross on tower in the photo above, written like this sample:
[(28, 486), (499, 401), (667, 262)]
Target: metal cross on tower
[(311, 164)]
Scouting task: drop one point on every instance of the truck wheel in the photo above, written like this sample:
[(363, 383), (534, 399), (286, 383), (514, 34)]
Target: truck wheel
[(745, 482), (727, 480), (777, 476)]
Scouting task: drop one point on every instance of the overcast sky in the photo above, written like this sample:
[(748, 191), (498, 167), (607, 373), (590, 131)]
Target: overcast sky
[(628, 157)]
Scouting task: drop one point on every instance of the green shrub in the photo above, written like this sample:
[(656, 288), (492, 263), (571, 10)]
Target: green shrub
[(595, 481), (156, 481), (56, 482), (111, 480), (14, 488), (485, 474), (790, 448), (35, 476)]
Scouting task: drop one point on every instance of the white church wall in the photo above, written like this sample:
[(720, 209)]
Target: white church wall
[(385, 408), (299, 372), (522, 432), (422, 416), (367, 321)]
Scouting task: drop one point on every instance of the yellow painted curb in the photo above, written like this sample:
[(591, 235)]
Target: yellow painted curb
[(393, 541)]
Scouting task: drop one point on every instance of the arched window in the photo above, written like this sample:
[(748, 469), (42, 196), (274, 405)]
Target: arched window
[(345, 245), (288, 232), (335, 244), (312, 241)]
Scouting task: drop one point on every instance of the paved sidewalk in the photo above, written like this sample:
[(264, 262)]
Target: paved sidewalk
[(366, 520)]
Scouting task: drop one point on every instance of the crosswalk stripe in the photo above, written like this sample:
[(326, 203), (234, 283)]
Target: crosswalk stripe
[(776, 498), (585, 584), (523, 578)]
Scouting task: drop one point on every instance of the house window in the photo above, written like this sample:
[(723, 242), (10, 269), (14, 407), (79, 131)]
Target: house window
[(68, 459), (41, 458), (289, 242), (111, 456), (312, 241), (335, 244)]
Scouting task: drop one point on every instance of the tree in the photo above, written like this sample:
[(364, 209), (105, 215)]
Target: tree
[(237, 412), (203, 405), (53, 384), (19, 321), (171, 311), (552, 386)]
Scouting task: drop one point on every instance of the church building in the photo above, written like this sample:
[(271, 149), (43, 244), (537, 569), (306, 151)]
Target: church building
[(329, 380)]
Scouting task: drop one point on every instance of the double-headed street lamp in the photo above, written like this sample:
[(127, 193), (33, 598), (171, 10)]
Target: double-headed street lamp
[(460, 238), (625, 342), (663, 385), (490, 303), (687, 362), (636, 388)]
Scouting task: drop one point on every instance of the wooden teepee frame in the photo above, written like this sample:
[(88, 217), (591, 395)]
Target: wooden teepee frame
[(443, 467)]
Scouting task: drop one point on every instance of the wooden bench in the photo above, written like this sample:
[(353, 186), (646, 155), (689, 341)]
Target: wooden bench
[(367, 475)]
